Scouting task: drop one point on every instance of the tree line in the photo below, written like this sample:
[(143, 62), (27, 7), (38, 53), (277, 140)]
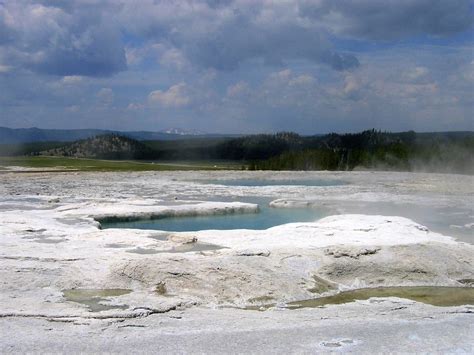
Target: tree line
[(370, 149)]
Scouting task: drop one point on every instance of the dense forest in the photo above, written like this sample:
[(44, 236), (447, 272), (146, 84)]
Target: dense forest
[(371, 149), (407, 151)]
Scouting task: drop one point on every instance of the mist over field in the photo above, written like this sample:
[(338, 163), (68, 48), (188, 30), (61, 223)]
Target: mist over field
[(442, 152)]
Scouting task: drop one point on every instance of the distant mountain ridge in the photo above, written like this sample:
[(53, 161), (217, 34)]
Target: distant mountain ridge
[(30, 135), (183, 132)]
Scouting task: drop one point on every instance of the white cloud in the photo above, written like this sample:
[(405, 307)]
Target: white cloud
[(416, 74), (5, 68), (304, 79), (105, 96), (175, 96), (71, 79), (73, 108), (174, 58), (133, 55), (352, 87), (414, 90), (238, 89), (283, 75), (133, 106)]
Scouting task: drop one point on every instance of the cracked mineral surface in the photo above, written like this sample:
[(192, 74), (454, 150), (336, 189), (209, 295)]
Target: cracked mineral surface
[(69, 286)]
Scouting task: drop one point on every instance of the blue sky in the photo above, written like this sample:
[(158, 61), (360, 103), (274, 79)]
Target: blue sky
[(238, 66)]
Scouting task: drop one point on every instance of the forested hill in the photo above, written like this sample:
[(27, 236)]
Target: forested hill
[(110, 146)]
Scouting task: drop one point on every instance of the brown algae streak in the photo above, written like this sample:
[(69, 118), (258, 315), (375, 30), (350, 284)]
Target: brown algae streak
[(435, 295)]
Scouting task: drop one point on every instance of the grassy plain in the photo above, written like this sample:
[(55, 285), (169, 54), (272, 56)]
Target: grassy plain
[(77, 164)]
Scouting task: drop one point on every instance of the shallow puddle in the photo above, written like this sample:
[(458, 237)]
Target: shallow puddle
[(49, 241), (93, 298), (434, 295), (184, 248), (118, 245)]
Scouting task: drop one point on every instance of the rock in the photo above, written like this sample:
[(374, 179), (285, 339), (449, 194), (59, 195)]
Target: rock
[(182, 239), (402, 265), (354, 252), (160, 288), (285, 203), (321, 285), (264, 253)]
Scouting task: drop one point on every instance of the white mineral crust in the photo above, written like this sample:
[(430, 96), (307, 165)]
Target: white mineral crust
[(51, 241)]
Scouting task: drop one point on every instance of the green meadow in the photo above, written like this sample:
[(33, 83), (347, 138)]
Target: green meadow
[(79, 164)]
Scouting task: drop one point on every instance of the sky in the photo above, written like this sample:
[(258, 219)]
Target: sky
[(238, 66)]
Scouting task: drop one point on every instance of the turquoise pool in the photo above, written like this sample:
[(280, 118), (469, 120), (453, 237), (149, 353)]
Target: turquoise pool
[(267, 217), (267, 182)]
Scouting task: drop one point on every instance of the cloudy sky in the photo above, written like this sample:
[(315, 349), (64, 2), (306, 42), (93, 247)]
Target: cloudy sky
[(310, 66)]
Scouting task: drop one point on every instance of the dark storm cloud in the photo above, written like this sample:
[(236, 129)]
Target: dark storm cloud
[(62, 37), (96, 52), (223, 34), (340, 61), (228, 48), (47, 39), (391, 19)]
